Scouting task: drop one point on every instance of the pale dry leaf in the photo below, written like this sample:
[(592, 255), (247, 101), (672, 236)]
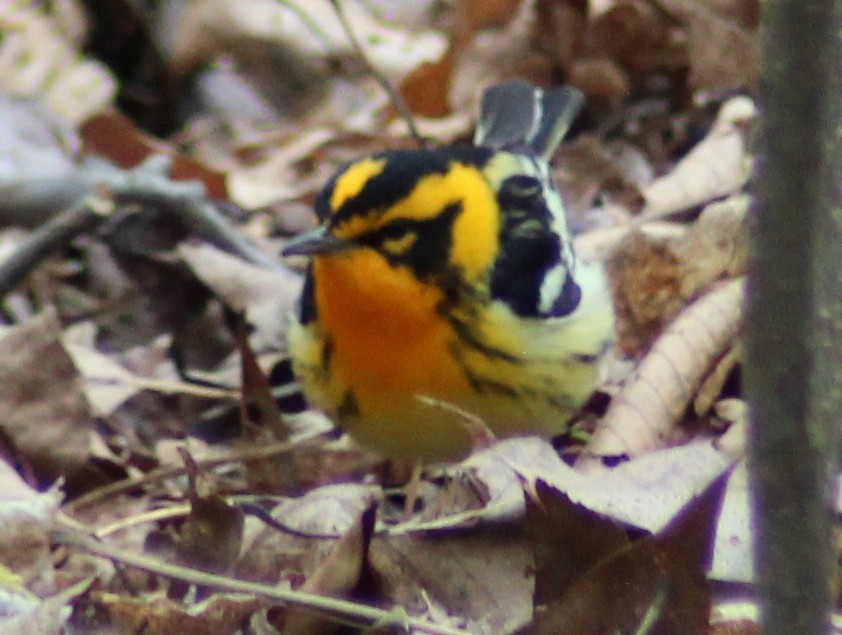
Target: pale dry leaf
[(25, 518), (37, 61), (39, 616), (267, 297), (717, 166), (107, 384), (314, 520), (311, 28), (645, 492), (732, 554), (35, 145), (485, 576), (276, 178), (642, 416), (442, 129)]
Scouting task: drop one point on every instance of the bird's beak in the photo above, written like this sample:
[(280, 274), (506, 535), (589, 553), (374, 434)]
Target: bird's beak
[(316, 241)]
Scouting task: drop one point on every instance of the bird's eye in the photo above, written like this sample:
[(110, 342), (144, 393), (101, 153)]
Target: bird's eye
[(397, 238)]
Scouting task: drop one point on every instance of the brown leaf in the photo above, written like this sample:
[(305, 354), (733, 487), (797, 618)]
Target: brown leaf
[(116, 137), (210, 538), (567, 540), (42, 406), (338, 575), (114, 613), (599, 76), (660, 579), (483, 575), (646, 280), (712, 32)]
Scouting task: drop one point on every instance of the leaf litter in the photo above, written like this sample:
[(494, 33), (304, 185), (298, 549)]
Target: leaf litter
[(120, 347)]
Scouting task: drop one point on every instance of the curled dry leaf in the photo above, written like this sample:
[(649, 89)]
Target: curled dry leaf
[(717, 166), (711, 388), (642, 416)]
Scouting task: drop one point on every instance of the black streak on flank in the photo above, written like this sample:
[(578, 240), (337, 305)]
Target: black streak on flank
[(307, 305), (467, 337), (349, 408), (327, 353)]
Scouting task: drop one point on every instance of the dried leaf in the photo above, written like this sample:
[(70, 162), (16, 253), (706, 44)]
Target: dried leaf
[(36, 61), (717, 166), (642, 417), (338, 575), (42, 405), (659, 581), (312, 29)]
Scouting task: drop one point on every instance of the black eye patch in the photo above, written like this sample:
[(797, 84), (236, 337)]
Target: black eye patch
[(518, 189)]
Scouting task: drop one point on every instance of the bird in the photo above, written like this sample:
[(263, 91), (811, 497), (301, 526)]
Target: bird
[(442, 287)]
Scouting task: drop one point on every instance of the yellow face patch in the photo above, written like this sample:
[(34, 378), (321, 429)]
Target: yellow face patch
[(351, 182), (476, 229), (475, 234)]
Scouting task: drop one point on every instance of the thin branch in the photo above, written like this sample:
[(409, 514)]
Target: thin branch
[(96, 192), (342, 611), (175, 471), (86, 215), (397, 101)]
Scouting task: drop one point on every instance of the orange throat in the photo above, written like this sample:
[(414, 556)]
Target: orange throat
[(387, 335)]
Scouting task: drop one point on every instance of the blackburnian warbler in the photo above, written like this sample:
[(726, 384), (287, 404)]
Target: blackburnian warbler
[(449, 274)]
